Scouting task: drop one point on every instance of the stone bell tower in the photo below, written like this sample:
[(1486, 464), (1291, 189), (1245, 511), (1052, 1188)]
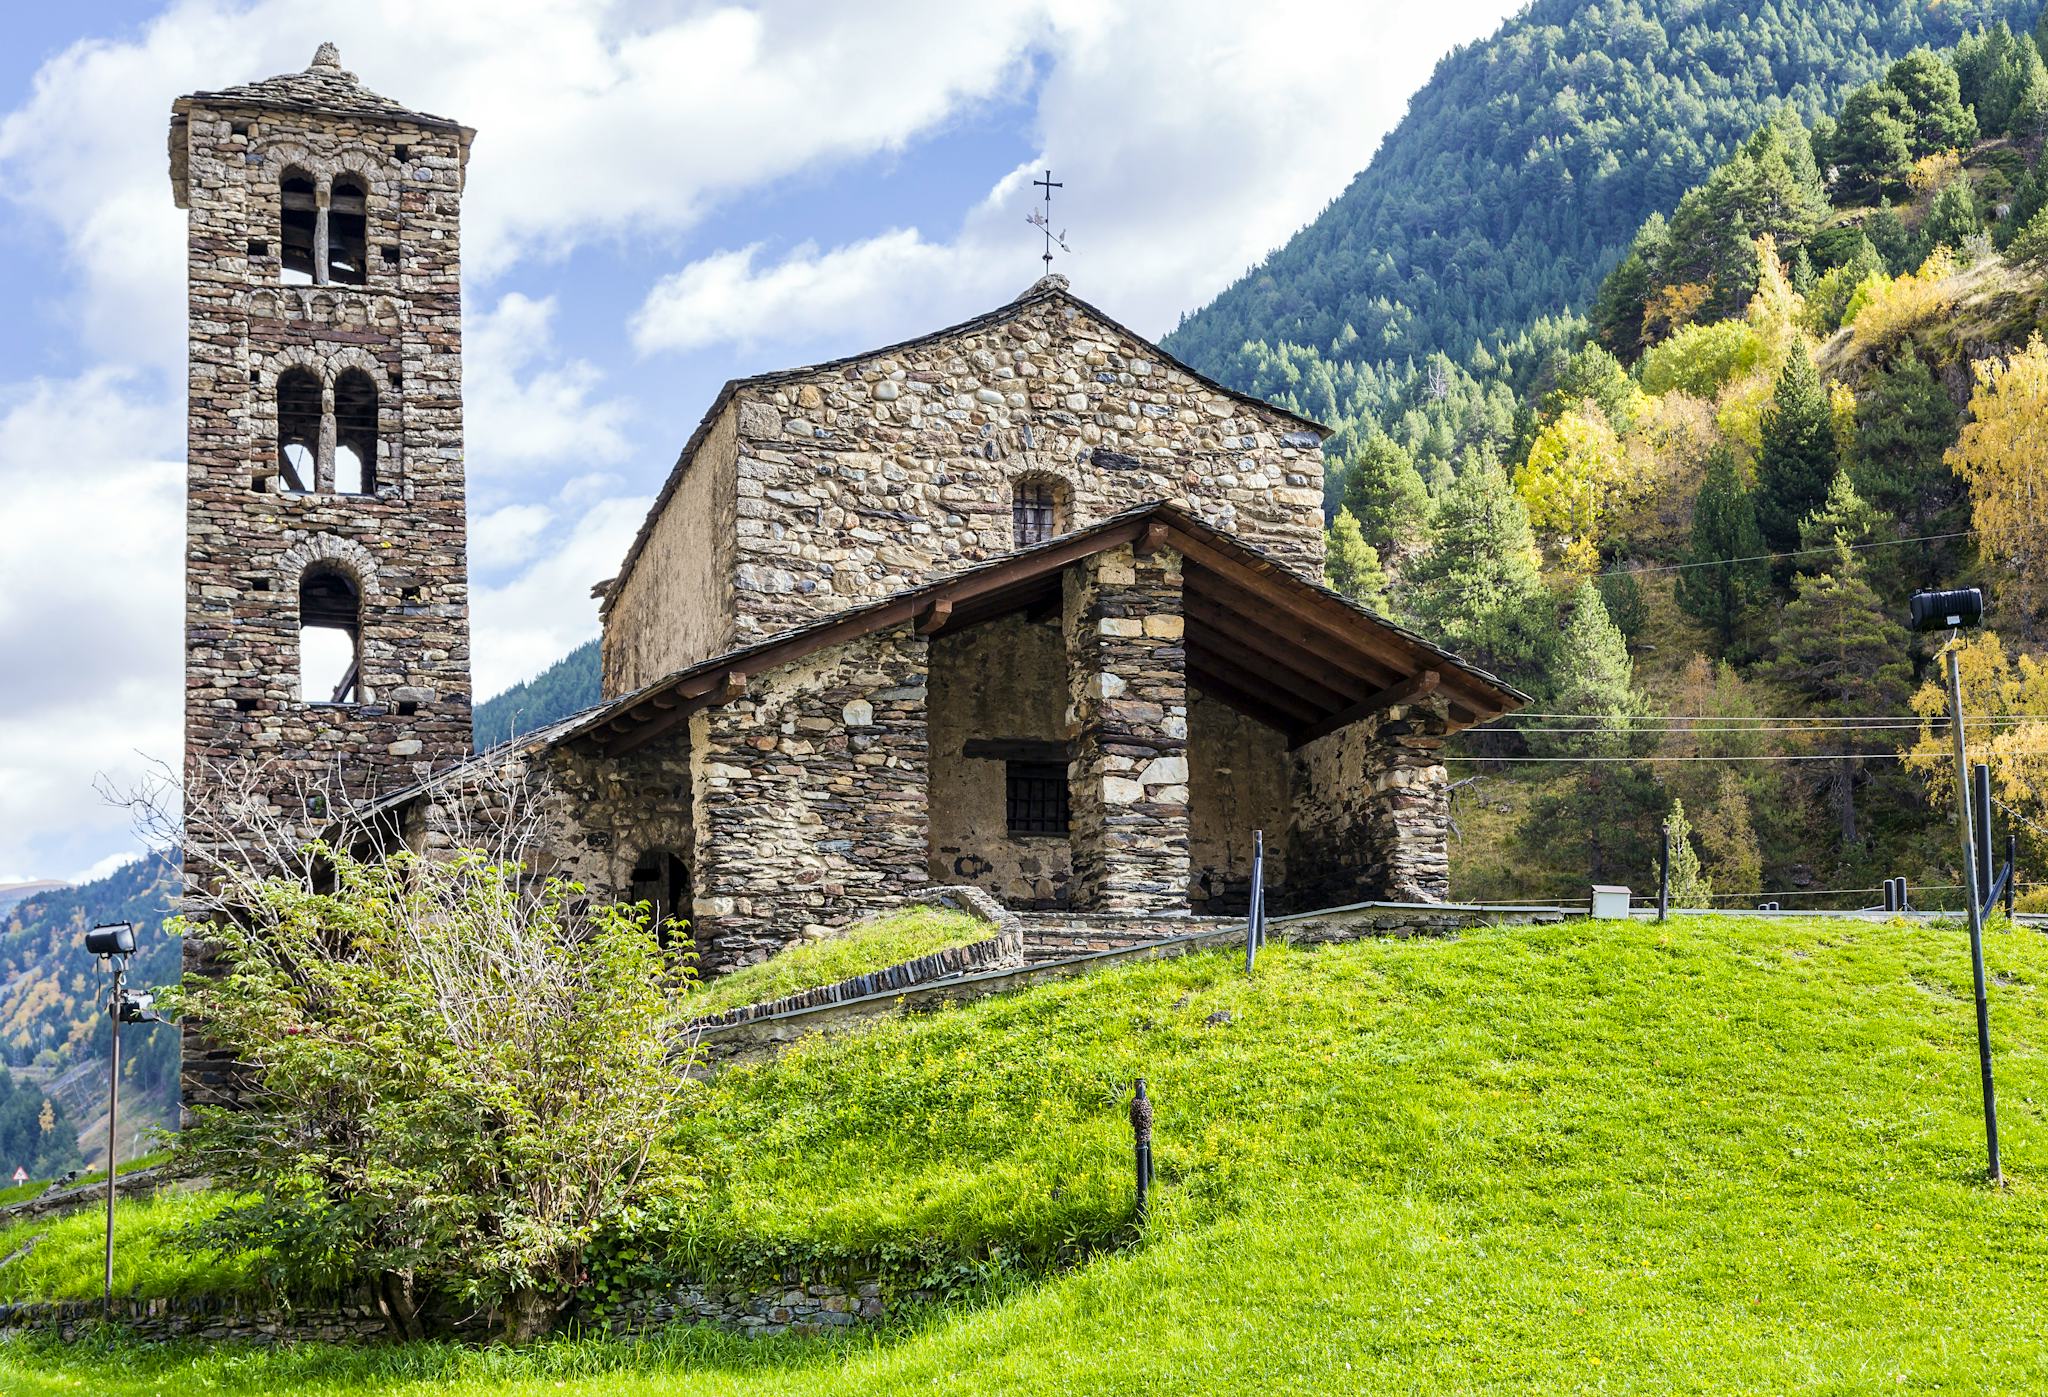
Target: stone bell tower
[(326, 572)]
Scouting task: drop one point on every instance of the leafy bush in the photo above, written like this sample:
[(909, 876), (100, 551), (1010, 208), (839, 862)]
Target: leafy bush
[(453, 1080), (1701, 358), (1884, 310)]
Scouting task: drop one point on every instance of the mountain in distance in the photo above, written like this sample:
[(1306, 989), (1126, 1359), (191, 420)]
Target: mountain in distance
[(564, 687), (53, 1023), (1522, 171), (12, 895)]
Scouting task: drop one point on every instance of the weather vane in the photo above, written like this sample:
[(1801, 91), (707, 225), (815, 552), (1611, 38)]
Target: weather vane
[(1042, 220)]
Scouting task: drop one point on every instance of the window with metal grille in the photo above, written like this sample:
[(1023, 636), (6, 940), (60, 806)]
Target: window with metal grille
[(1036, 797), (1034, 511)]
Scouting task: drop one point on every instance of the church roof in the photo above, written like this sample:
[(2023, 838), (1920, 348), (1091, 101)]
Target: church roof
[(323, 86), (1046, 288), (1259, 638)]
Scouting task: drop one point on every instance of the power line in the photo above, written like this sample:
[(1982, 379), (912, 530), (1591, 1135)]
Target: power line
[(1773, 557), (1805, 756), (1910, 719)]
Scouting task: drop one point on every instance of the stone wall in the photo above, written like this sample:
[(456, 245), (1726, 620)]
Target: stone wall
[(1128, 722), (810, 797), (206, 1319), (1004, 680), (793, 1305), (1237, 783), (1371, 812), (677, 607), (864, 477), (248, 544)]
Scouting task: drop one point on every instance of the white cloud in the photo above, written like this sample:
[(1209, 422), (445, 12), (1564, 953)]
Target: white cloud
[(1188, 149), (546, 611), (523, 408), (101, 868), (91, 607)]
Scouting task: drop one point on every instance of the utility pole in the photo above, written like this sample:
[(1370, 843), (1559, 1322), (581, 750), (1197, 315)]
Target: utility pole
[(114, 1015), (1973, 879)]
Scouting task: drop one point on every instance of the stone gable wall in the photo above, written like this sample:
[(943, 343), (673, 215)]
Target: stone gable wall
[(858, 481), (677, 607)]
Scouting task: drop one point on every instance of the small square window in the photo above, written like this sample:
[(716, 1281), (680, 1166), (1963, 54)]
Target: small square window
[(258, 248), (390, 251), (1035, 794)]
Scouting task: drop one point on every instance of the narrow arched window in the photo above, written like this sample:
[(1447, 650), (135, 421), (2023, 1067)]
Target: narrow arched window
[(299, 217), (1038, 509), (355, 434), (348, 231), (330, 637), (298, 432)]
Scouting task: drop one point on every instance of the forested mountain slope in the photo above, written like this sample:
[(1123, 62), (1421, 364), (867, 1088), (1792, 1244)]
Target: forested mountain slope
[(1523, 168), (53, 995)]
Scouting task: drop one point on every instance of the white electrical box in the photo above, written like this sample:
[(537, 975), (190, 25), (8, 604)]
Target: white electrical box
[(1610, 902)]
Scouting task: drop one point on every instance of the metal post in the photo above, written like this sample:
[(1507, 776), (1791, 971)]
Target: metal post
[(1955, 708), (2012, 869), (1254, 912), (1987, 875), (1141, 1136), (1664, 877), (113, 1114), (1891, 894)]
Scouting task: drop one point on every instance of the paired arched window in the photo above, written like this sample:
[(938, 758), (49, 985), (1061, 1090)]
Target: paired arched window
[(325, 443), (330, 636), (1039, 509), (323, 240)]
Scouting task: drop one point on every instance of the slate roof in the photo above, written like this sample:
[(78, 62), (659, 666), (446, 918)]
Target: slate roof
[(323, 86)]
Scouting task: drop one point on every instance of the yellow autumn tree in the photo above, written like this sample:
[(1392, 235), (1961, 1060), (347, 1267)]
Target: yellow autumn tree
[(2000, 456), (2005, 703), (1580, 475)]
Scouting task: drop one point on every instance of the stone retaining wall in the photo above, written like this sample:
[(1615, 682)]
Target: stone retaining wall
[(793, 1304), (203, 1318), (1006, 948)]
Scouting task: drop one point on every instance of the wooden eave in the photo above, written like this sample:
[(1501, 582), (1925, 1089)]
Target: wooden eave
[(1258, 637)]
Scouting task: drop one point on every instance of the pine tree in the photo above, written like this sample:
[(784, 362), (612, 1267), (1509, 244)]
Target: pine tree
[(1716, 591), (1905, 422), (1844, 519), (1938, 120), (1952, 220), (1590, 673), (1385, 495), (1689, 886), (1727, 836), (1353, 566), (1796, 460), (1838, 648), (1872, 146), (1477, 585)]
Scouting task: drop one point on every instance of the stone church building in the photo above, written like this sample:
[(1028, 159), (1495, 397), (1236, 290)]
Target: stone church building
[(1022, 603)]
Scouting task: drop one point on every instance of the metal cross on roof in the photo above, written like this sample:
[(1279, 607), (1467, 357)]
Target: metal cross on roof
[(1043, 220)]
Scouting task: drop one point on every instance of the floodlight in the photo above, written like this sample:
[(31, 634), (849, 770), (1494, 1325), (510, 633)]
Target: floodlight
[(111, 939), (1949, 610)]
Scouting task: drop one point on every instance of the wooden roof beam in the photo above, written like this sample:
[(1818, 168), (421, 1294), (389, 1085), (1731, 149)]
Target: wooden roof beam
[(1421, 686)]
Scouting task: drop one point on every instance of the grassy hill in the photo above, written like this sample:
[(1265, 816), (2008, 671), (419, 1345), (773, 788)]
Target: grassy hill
[(1721, 1155)]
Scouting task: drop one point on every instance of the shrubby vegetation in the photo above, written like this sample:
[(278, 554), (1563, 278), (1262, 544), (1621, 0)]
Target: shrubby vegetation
[(455, 1079)]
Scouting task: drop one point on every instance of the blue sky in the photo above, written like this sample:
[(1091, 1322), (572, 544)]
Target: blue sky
[(663, 194)]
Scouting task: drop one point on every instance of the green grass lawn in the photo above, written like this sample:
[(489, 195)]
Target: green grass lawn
[(1719, 1156), (875, 944)]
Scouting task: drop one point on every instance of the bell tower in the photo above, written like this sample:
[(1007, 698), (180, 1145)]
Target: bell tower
[(326, 568), (326, 576)]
